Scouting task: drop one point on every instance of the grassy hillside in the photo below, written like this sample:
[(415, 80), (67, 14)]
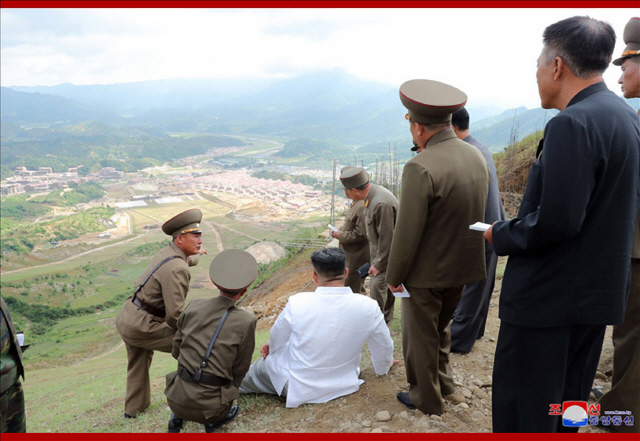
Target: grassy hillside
[(502, 130), (95, 144), (512, 167), (20, 238)]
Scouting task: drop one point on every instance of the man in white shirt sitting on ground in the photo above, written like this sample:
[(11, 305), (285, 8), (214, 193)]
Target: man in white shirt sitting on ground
[(315, 345)]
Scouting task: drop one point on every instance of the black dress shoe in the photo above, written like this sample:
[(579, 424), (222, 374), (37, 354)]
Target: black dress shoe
[(598, 392), (175, 424), (403, 397), (212, 427)]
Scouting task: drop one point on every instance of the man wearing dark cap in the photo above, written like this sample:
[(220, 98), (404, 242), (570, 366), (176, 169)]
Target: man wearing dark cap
[(380, 209), (434, 254), (471, 314), (147, 320), (213, 345), (315, 345), (352, 238), (624, 394), (569, 247)]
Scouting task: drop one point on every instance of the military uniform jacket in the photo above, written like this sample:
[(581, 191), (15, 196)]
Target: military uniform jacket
[(230, 358), (570, 245), (353, 237), (444, 190), (380, 211), (165, 290), (11, 367)]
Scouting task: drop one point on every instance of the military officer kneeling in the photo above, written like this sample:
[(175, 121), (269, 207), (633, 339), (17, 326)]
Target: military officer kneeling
[(213, 344)]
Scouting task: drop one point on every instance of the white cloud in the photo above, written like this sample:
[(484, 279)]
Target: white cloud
[(488, 53)]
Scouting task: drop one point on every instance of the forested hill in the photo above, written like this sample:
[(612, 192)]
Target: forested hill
[(95, 145)]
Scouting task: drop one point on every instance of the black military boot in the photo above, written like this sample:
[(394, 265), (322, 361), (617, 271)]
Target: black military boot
[(212, 427), (175, 424)]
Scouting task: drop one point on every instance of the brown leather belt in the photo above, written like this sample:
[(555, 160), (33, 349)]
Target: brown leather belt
[(209, 380), (147, 307)]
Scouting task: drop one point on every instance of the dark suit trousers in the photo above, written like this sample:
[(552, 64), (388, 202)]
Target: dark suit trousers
[(470, 317), (425, 345), (537, 367)]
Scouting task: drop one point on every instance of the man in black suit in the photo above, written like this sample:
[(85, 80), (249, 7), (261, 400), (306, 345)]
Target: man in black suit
[(570, 245)]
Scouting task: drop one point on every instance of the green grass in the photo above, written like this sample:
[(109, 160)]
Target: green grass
[(73, 340), (104, 254), (88, 396)]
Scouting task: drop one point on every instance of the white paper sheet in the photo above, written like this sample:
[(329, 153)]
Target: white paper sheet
[(479, 226), (403, 293)]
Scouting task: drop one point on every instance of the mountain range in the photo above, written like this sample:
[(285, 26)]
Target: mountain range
[(327, 105)]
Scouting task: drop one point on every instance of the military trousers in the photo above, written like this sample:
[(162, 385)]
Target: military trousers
[(379, 291), (426, 341), (197, 414), (625, 384), (139, 356), (12, 416), (355, 282)]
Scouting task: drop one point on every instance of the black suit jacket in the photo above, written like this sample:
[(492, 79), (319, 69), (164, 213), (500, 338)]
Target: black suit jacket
[(570, 245)]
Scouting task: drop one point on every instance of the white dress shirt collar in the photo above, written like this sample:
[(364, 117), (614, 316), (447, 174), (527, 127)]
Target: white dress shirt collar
[(333, 290)]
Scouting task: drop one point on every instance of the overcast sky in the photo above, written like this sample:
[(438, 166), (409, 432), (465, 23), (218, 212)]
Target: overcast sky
[(488, 53)]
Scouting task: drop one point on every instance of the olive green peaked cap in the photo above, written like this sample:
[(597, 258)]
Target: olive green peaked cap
[(233, 270), (185, 222), (353, 177), (431, 102), (631, 37)]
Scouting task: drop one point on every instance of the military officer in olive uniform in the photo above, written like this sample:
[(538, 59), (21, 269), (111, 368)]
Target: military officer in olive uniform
[(147, 320), (624, 394), (434, 254), (380, 209), (209, 398), (12, 417), (352, 238)]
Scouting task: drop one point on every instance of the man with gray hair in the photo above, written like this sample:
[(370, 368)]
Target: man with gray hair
[(569, 247), (315, 345)]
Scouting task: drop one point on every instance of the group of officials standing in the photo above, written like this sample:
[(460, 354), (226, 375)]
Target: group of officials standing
[(571, 269)]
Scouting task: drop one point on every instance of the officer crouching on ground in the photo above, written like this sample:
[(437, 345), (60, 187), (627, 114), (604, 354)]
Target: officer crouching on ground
[(213, 344)]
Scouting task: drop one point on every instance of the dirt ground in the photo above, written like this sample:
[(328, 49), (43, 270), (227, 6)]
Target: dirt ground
[(374, 407)]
